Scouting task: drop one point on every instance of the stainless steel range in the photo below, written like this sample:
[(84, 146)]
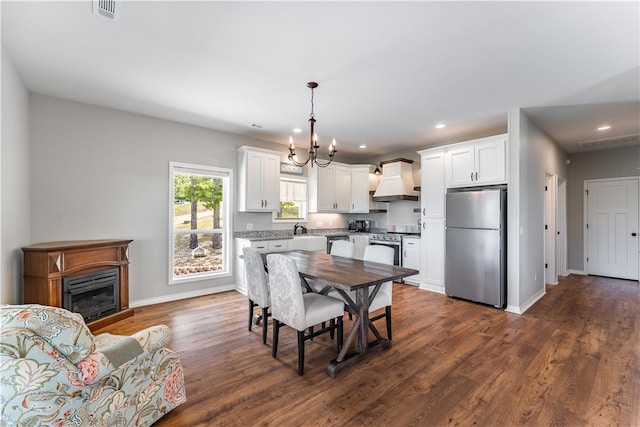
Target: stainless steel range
[(393, 239)]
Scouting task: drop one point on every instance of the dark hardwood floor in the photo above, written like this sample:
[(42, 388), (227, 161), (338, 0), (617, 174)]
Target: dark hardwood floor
[(573, 359)]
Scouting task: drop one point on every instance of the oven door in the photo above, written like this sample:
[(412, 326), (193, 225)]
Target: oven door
[(396, 250)]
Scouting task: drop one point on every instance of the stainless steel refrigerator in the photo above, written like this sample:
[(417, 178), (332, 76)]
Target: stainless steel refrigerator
[(475, 262)]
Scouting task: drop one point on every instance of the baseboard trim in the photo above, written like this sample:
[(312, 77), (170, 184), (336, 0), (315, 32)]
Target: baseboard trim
[(181, 295), (580, 272), (432, 288), (520, 309)]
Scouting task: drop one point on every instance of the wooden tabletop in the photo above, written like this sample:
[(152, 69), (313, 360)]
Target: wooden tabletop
[(345, 273)]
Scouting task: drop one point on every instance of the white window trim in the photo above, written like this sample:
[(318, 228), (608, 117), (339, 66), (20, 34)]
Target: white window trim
[(306, 211), (227, 232)]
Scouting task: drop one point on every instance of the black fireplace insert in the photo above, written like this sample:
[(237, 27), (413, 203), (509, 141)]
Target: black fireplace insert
[(93, 295)]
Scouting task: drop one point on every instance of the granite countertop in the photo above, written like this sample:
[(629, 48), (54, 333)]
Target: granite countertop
[(259, 235)]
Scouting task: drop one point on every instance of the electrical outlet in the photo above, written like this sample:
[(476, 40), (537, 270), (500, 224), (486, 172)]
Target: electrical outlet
[(319, 224), (535, 277), (249, 226), (330, 224)]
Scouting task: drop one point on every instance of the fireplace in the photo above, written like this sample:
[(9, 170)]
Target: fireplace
[(90, 277), (93, 295)]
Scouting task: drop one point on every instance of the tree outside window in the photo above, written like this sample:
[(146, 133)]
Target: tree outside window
[(200, 222)]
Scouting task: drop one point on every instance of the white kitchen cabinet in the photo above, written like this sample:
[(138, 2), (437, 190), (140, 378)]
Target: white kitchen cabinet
[(360, 242), (330, 188), (432, 255), (260, 246), (359, 189), (478, 162), (432, 186), (258, 180), (411, 257)]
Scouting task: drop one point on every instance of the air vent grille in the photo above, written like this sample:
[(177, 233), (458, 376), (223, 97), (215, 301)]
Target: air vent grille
[(106, 8), (605, 143)]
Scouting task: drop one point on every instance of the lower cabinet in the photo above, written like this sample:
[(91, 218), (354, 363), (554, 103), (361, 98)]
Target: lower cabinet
[(411, 257), (432, 258), (260, 246)]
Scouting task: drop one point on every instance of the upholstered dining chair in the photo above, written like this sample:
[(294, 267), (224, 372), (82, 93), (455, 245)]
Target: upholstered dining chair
[(343, 248), (257, 287), (384, 255), (289, 306)]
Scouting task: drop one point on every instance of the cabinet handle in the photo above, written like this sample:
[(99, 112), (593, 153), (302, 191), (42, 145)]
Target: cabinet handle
[(423, 226), (471, 176), (476, 176), (423, 212)]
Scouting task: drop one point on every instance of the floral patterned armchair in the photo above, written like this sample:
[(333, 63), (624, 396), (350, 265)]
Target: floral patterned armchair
[(54, 372)]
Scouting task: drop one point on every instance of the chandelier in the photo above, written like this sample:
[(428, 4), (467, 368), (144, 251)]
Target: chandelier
[(313, 142)]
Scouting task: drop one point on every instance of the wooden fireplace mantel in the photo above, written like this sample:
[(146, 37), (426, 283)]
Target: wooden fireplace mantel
[(46, 264)]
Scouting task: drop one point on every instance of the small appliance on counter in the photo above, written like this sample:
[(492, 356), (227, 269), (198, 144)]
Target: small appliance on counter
[(359, 225)]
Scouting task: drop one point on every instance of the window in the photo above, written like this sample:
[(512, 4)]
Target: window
[(293, 201), (200, 214)]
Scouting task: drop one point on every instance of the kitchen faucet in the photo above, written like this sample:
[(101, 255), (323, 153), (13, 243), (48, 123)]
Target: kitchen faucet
[(303, 229)]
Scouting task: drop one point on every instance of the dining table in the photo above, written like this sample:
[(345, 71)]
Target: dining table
[(344, 275)]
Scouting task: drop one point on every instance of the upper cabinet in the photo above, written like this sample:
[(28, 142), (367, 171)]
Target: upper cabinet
[(478, 162), (359, 188), (258, 180), (330, 188), (432, 187)]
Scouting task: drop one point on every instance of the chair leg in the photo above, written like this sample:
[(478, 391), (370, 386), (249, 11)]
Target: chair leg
[(276, 327), (340, 334), (332, 330), (265, 313), (251, 305), (388, 316), (300, 352)]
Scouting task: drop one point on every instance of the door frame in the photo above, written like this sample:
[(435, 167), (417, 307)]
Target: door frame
[(555, 217), (585, 208)]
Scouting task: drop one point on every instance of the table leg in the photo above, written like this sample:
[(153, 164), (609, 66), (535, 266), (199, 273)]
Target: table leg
[(360, 331)]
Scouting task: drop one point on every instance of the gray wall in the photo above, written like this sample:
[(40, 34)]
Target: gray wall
[(14, 181), (98, 173), (614, 163), (532, 154)]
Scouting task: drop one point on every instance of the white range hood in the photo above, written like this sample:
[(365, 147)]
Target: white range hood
[(397, 182)]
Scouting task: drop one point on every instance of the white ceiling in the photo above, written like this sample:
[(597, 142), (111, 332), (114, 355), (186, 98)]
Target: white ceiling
[(388, 71)]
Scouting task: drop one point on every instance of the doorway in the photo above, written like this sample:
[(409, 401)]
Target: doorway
[(555, 220), (611, 227)]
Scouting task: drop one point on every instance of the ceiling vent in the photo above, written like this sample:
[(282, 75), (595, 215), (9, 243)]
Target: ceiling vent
[(607, 143), (106, 8)]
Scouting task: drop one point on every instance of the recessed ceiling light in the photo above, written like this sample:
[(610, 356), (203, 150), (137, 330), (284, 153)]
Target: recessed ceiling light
[(297, 130), (363, 146), (604, 127), (440, 126)]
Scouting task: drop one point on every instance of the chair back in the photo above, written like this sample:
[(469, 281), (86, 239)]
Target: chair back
[(378, 253), (384, 255), (257, 287), (287, 304), (343, 248)]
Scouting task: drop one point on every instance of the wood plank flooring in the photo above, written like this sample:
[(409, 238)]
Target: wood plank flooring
[(573, 359)]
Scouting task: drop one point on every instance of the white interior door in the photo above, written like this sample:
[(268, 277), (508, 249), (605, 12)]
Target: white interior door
[(561, 227), (551, 277), (612, 228)]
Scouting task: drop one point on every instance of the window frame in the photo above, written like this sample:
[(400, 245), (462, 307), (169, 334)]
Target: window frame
[(305, 217), (227, 224)]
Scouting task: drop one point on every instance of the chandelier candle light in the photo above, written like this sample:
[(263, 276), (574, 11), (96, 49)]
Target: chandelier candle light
[(313, 142)]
